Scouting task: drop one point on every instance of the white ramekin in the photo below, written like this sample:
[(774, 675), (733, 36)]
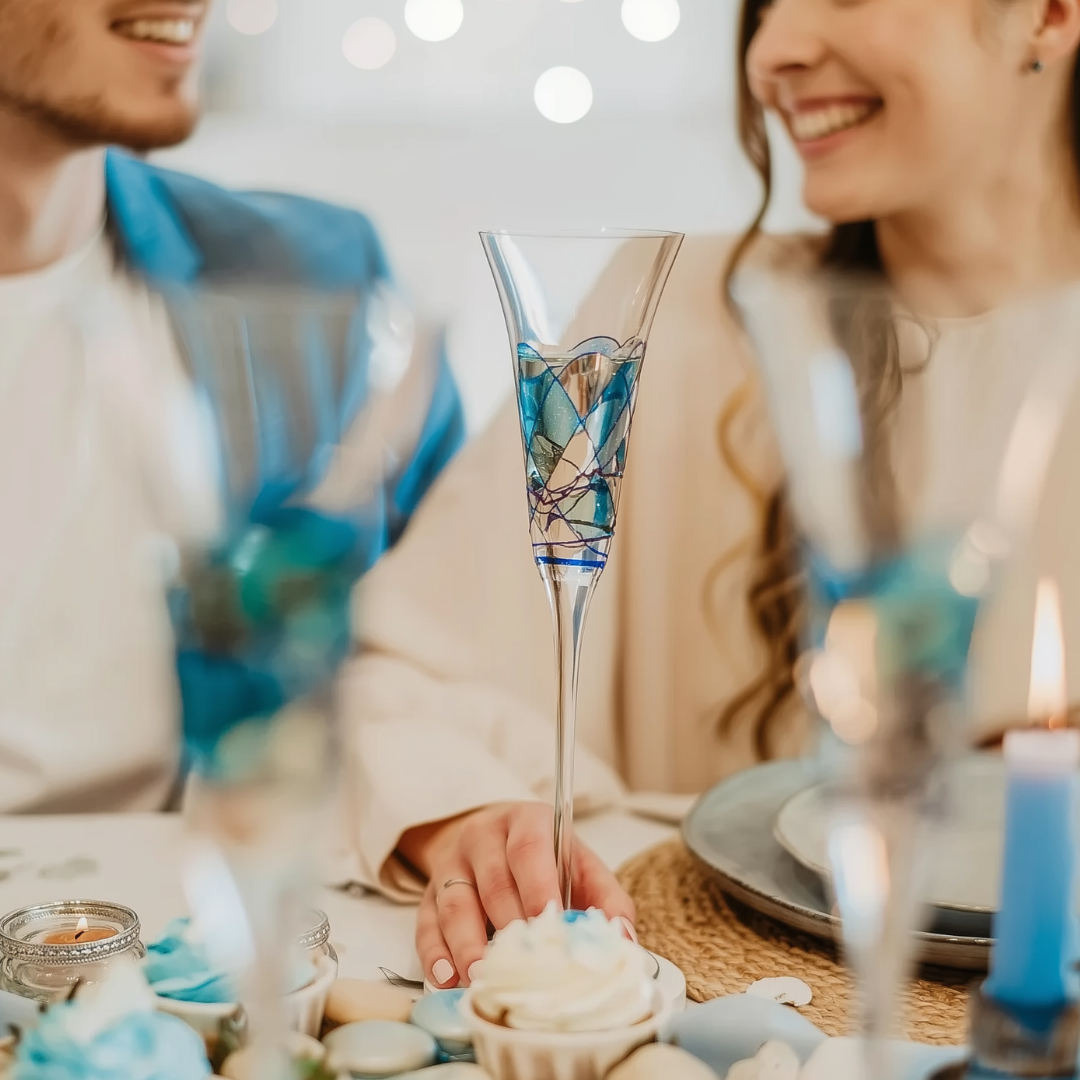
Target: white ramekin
[(509, 1054), (303, 1008), (204, 1018)]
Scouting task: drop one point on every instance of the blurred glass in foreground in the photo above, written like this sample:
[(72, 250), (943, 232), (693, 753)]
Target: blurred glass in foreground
[(915, 454), (299, 400), (202, 475)]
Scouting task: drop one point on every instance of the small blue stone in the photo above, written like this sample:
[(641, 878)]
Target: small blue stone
[(373, 1049), (440, 1015)]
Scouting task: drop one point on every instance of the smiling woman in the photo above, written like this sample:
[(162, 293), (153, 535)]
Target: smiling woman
[(899, 106), (942, 141), (103, 71)]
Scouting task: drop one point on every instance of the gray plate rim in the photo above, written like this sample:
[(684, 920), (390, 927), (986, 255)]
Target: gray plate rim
[(943, 950), (823, 871)]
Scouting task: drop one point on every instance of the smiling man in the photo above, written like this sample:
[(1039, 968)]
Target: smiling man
[(88, 679)]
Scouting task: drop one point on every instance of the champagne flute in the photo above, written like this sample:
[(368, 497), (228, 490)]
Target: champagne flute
[(578, 312)]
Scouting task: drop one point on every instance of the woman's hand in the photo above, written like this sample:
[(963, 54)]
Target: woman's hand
[(500, 864)]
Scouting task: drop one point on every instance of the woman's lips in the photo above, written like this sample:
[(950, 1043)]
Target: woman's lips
[(830, 118)]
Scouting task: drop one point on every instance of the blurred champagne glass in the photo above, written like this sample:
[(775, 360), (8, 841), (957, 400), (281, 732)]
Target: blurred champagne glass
[(915, 454), (299, 398)]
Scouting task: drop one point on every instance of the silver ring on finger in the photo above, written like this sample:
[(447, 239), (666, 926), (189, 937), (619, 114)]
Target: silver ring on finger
[(454, 881)]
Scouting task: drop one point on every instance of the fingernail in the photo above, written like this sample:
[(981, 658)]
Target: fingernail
[(443, 971), (627, 928), (475, 968)]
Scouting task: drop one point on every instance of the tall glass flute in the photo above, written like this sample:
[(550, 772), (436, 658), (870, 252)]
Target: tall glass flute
[(578, 311), (295, 400), (914, 455)]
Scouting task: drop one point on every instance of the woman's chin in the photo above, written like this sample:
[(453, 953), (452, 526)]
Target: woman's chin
[(840, 205)]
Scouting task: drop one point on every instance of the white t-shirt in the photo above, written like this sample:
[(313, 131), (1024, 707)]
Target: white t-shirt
[(91, 390)]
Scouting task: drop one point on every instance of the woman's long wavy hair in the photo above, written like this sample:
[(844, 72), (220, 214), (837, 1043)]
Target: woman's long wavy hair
[(775, 595)]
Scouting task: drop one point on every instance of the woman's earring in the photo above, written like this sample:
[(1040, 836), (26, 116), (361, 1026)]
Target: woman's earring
[(1038, 67)]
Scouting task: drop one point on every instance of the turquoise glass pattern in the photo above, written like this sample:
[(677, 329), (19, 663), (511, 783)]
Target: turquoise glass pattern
[(575, 414)]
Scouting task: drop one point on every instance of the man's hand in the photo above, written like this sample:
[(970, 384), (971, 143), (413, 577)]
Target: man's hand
[(496, 865)]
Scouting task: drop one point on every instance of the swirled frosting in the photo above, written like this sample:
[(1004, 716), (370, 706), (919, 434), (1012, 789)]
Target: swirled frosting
[(574, 972)]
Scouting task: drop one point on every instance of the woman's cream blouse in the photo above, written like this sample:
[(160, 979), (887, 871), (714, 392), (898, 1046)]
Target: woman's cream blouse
[(450, 704)]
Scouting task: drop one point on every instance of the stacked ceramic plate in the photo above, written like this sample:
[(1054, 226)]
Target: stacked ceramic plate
[(763, 832)]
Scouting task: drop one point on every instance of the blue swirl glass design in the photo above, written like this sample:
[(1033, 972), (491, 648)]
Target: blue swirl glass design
[(576, 412)]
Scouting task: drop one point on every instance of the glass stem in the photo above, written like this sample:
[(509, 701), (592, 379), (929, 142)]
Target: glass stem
[(569, 594), (879, 902), (264, 982), (248, 894)]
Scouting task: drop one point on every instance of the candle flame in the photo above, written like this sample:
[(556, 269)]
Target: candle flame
[(82, 925), (1047, 698)]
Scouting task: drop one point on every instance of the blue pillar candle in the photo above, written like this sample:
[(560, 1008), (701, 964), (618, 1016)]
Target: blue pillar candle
[(1035, 928)]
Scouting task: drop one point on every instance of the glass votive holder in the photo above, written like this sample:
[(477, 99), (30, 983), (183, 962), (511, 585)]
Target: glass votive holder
[(305, 1007), (48, 948), (315, 941)]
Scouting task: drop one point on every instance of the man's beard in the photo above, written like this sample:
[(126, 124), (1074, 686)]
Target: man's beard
[(86, 122)]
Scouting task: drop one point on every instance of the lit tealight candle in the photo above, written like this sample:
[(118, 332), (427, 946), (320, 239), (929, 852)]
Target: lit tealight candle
[(83, 932)]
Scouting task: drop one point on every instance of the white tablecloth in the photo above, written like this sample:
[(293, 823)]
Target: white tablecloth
[(132, 859)]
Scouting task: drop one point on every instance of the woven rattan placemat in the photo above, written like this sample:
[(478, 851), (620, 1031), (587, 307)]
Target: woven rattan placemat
[(722, 947)]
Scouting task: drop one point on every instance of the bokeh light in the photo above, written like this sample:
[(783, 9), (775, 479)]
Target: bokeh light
[(434, 20), (251, 16), (651, 20), (563, 95), (370, 43)]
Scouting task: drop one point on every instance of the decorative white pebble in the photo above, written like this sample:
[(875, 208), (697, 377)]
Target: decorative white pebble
[(658, 1060), (786, 991), (774, 1061), (353, 1000), (240, 1065), (379, 1048), (440, 1015), (835, 1059)]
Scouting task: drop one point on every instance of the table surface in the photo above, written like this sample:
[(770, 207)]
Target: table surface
[(133, 859)]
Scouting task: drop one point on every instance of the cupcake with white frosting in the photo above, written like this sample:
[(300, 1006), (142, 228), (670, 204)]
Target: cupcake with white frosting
[(561, 997)]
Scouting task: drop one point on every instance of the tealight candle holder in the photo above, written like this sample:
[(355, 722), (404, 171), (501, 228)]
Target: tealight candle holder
[(48, 948), (305, 1007), (316, 940)]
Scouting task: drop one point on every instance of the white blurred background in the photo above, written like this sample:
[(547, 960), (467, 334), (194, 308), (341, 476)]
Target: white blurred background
[(435, 140)]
